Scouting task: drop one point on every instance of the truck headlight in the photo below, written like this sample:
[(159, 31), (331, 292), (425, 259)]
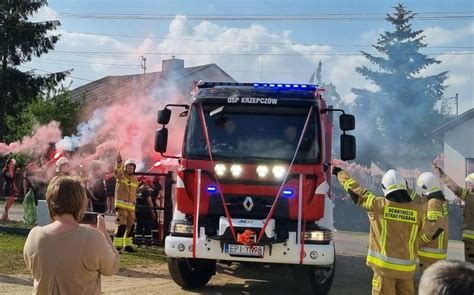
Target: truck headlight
[(278, 171), (181, 227), (262, 171), (324, 236), (236, 170), (220, 169)]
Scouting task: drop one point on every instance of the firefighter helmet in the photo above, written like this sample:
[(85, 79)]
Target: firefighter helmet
[(61, 161), (470, 178), (392, 181), (130, 162), (428, 183)]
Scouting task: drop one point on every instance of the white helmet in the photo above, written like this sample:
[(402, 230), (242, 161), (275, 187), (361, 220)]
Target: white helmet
[(130, 162), (392, 181), (60, 162), (470, 178), (428, 183)]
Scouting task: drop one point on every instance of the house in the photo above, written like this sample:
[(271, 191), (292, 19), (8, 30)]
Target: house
[(173, 75), (458, 135)]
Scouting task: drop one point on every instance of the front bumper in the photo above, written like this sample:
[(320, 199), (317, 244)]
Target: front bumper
[(285, 253)]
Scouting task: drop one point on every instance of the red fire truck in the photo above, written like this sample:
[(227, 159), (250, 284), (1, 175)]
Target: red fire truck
[(253, 179)]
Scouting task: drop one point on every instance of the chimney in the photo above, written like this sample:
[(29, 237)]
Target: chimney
[(171, 65)]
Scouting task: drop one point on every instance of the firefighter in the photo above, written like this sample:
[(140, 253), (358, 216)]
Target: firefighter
[(433, 243), (125, 200), (394, 225), (62, 168), (467, 195)]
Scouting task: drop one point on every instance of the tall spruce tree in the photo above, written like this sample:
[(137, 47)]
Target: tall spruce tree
[(20, 41), (401, 114)]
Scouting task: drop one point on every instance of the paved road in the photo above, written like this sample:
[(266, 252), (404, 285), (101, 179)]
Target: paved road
[(352, 276)]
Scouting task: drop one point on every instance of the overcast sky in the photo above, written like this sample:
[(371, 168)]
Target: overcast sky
[(101, 38)]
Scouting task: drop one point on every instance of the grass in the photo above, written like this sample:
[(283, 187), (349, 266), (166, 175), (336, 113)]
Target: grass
[(11, 255), (16, 224)]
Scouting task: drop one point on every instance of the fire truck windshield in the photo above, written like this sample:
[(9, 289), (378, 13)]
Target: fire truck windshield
[(253, 133)]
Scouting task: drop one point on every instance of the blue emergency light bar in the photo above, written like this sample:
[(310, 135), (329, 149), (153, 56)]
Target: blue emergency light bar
[(211, 189), (283, 86), (308, 87), (287, 192)]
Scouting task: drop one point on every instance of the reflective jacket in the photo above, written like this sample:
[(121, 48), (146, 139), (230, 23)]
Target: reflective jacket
[(125, 189), (393, 233), (468, 198), (434, 234)]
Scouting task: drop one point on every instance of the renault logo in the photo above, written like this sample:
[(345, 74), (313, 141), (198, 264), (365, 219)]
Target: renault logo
[(248, 204)]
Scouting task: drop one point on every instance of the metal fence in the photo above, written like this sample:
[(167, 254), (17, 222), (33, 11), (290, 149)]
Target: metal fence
[(148, 230)]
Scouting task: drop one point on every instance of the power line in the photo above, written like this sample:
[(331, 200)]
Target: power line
[(93, 63), (118, 53), (227, 41), (296, 17)]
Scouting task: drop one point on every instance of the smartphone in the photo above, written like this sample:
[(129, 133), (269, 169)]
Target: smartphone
[(89, 218)]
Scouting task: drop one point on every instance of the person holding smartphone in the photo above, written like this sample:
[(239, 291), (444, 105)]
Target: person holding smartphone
[(63, 256)]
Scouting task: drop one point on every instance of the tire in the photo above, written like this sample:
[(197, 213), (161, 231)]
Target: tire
[(318, 279), (191, 273)]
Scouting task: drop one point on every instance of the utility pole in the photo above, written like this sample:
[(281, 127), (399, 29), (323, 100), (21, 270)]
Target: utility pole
[(143, 66), (456, 99)]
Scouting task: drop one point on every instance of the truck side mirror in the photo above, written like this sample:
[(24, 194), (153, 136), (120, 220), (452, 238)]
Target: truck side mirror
[(164, 116), (347, 122), (161, 140), (348, 147)]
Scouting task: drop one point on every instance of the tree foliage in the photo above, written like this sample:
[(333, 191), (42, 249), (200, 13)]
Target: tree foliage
[(330, 93), (401, 113), (20, 41), (43, 110)]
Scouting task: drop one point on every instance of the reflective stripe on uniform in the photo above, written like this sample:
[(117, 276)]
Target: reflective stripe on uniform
[(128, 242), (441, 240), (468, 234), (433, 215), (394, 186), (129, 183), (411, 242), (124, 205), (118, 242), (348, 183), (390, 263), (425, 238), (369, 202), (464, 193), (413, 195), (383, 237), (432, 253)]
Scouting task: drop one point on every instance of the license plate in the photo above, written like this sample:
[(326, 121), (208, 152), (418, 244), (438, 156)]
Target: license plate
[(244, 250)]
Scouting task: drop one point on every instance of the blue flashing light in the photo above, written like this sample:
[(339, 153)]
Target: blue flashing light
[(307, 87), (212, 189), (287, 193)]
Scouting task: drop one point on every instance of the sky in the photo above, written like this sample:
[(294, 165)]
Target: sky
[(253, 41)]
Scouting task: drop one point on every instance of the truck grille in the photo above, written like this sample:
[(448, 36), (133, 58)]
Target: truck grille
[(240, 206)]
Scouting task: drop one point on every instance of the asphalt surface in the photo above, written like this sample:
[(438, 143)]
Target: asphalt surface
[(352, 276)]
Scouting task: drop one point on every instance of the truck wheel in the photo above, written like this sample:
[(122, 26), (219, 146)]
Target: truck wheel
[(320, 279), (191, 273)]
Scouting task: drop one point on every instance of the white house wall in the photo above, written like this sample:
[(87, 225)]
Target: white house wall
[(458, 145)]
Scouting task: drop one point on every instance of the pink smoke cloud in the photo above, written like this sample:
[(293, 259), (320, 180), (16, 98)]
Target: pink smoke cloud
[(37, 143)]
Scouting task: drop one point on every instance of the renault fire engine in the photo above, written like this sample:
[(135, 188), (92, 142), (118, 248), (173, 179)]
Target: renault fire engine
[(253, 180)]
